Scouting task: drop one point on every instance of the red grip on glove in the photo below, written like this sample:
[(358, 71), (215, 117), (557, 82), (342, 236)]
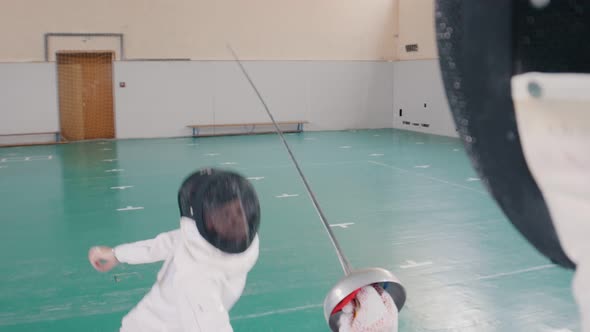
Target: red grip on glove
[(345, 301)]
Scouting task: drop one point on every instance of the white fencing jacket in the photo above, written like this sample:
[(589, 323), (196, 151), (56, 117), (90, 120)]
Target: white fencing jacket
[(195, 288)]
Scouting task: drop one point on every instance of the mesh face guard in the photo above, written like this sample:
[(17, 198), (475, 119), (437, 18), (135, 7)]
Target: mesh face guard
[(224, 206)]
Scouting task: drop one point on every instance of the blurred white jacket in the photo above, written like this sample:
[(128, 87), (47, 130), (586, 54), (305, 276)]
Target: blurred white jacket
[(554, 130), (195, 288)]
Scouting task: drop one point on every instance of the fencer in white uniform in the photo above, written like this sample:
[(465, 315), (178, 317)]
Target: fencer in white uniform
[(206, 260)]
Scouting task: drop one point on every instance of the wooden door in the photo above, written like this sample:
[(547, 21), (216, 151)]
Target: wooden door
[(85, 84)]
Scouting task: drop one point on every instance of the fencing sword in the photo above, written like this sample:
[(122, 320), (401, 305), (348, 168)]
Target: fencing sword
[(353, 279)]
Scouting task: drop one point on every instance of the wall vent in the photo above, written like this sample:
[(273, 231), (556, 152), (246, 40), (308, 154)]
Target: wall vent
[(412, 48)]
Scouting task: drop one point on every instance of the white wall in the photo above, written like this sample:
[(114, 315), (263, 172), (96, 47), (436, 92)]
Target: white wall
[(417, 78), (83, 43), (200, 29), (415, 25), (161, 98), (28, 99), (415, 83), (350, 95)]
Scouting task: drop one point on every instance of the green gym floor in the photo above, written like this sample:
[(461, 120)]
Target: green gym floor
[(404, 201)]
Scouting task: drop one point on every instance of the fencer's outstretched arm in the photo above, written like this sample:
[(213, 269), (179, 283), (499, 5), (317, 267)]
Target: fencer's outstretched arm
[(148, 251)]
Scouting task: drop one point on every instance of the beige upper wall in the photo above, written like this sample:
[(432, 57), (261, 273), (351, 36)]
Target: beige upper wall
[(416, 26), (200, 29)]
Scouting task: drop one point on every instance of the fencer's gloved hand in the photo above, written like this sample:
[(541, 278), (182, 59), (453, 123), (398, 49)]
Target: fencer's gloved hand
[(103, 259), (372, 310)]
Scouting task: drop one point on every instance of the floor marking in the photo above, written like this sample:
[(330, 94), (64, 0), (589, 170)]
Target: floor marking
[(29, 158), (212, 154), (114, 170), (122, 187), (118, 276), (256, 178), (229, 163), (106, 149), (279, 311), (413, 264), (343, 225), (455, 150), (376, 135), (307, 164), (62, 307), (131, 208), (109, 160), (309, 139), (376, 155), (193, 144), (422, 166), (472, 179), (419, 142), (101, 143), (287, 195), (428, 177), (504, 274), (345, 147), (3, 166)]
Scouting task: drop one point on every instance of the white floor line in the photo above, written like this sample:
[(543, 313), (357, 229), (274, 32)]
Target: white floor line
[(131, 208), (287, 195), (530, 269), (412, 264), (278, 312), (428, 177), (495, 276), (343, 225), (122, 187), (290, 165)]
